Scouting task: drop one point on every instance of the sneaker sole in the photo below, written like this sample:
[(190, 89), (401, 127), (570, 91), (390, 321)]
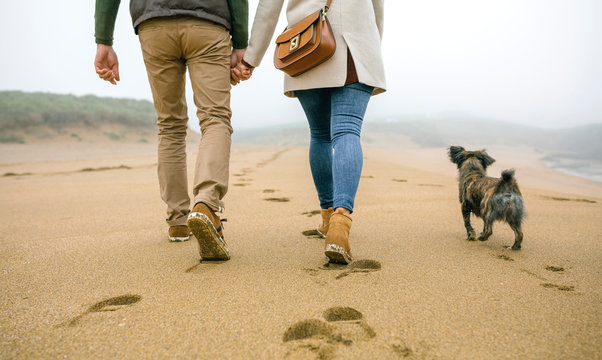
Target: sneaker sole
[(212, 246), (337, 254), (179, 238)]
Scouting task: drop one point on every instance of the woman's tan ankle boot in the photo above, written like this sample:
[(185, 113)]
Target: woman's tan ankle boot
[(326, 214), (337, 248)]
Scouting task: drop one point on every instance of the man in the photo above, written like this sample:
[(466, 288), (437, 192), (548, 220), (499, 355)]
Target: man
[(176, 35)]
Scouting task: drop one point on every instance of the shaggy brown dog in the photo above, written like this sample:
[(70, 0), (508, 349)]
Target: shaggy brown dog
[(488, 198)]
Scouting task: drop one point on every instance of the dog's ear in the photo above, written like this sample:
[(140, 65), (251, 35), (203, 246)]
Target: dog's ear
[(486, 160), (457, 155)]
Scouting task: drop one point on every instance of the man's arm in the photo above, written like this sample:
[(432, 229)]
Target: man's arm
[(239, 14), (106, 63), (239, 29), (104, 20)]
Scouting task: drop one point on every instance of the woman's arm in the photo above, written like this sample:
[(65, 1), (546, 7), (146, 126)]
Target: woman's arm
[(379, 12), (262, 31)]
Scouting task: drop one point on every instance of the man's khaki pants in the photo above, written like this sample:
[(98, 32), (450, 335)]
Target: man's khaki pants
[(169, 46)]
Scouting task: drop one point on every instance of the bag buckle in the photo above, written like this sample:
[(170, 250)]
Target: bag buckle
[(294, 43)]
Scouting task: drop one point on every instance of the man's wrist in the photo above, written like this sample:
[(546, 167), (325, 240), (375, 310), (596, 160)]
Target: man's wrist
[(104, 42), (239, 44)]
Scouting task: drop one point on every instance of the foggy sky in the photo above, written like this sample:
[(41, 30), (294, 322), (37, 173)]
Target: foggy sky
[(534, 62)]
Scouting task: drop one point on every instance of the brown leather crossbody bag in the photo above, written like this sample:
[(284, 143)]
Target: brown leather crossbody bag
[(306, 44)]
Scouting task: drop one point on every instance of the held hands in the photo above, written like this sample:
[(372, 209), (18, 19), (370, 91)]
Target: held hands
[(106, 63), (239, 69)]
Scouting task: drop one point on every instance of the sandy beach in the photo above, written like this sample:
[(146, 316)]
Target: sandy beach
[(88, 272)]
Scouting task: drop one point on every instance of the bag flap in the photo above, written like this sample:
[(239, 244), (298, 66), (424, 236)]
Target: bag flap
[(305, 38), (298, 27)]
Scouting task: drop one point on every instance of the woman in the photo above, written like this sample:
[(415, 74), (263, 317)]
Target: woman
[(334, 96)]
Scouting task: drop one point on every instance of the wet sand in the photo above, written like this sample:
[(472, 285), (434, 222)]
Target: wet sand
[(87, 271)]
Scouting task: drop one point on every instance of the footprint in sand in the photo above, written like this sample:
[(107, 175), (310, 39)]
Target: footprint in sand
[(558, 287), (399, 180), (432, 185), (273, 158), (8, 174), (568, 199), (555, 268), (311, 213), (241, 184), (357, 266), (322, 278), (504, 257), (319, 339), (548, 285), (273, 199), (269, 191), (111, 304), (312, 234), (104, 168)]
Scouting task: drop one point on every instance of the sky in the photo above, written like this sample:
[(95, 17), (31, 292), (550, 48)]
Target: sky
[(532, 62)]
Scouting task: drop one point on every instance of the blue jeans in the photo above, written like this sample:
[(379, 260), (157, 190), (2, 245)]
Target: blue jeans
[(335, 117)]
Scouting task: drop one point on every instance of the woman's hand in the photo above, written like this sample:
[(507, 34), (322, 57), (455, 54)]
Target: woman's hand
[(239, 69)]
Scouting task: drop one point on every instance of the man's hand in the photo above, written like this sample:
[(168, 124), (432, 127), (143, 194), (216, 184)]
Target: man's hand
[(245, 70), (237, 73), (106, 63)]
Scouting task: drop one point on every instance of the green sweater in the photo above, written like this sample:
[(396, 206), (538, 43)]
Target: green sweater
[(106, 13)]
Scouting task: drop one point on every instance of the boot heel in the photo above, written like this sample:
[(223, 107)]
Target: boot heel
[(337, 254), (337, 247)]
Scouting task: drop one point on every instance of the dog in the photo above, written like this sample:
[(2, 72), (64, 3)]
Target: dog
[(488, 198)]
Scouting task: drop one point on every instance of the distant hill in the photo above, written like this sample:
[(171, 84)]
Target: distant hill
[(580, 141), (44, 115), (583, 141), (576, 150), (34, 117)]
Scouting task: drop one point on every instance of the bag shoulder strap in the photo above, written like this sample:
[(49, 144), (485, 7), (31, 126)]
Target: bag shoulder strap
[(327, 5)]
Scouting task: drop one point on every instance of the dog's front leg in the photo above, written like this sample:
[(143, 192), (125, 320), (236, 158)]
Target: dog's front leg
[(469, 230)]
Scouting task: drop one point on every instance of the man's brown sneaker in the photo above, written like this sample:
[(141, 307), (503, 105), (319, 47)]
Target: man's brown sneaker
[(337, 239), (207, 228), (323, 228), (179, 233)]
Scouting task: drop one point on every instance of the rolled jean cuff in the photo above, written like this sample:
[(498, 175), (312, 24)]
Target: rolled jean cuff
[(346, 202), (326, 205)]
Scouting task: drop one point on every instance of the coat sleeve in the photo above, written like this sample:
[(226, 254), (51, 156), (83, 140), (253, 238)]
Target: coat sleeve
[(266, 18), (239, 14), (105, 15), (379, 12)]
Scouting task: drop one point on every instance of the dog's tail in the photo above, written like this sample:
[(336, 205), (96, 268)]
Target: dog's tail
[(508, 175)]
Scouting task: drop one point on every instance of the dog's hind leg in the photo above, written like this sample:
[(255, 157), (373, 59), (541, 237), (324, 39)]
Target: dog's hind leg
[(487, 229), (469, 230), (518, 236)]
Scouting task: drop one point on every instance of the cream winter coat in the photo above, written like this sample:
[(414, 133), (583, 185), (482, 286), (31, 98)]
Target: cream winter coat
[(357, 24)]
